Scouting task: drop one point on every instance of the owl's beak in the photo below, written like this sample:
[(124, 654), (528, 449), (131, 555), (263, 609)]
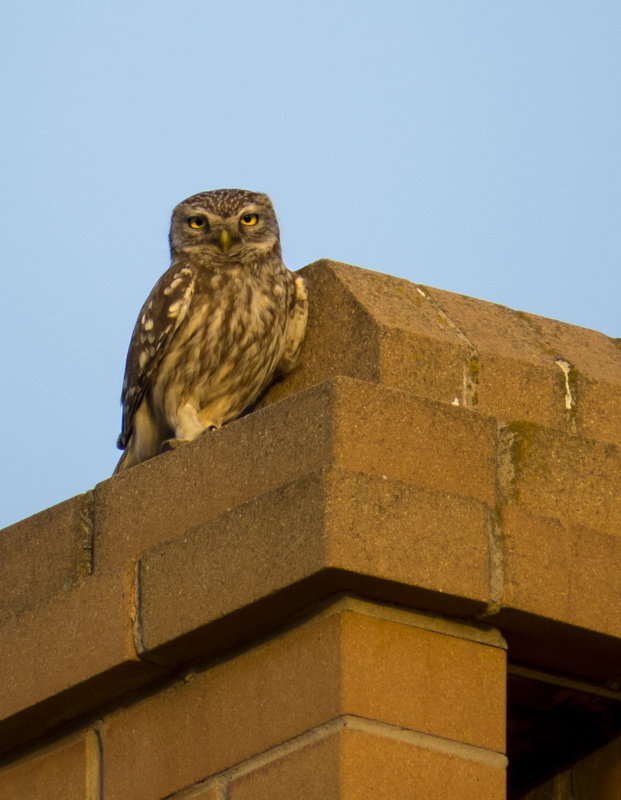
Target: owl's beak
[(224, 237)]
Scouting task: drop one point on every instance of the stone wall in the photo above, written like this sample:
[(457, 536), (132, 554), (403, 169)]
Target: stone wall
[(410, 549)]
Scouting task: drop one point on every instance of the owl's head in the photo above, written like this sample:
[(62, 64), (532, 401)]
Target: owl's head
[(231, 224)]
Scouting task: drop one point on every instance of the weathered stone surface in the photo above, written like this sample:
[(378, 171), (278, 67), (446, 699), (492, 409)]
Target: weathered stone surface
[(569, 478), (513, 373), (311, 538), (342, 422), (312, 772), (351, 764), (68, 770), (384, 432), (455, 349), (43, 554), (594, 386), (343, 662), (378, 328), (68, 655), (552, 567), (431, 451), (163, 497)]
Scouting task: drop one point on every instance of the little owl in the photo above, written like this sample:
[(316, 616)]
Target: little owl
[(218, 326)]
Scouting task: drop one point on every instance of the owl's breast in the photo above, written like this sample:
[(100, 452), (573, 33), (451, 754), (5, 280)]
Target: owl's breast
[(227, 348)]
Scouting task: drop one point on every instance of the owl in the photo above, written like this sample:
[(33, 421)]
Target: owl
[(221, 323)]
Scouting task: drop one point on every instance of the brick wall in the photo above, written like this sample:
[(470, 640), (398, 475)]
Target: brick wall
[(409, 552)]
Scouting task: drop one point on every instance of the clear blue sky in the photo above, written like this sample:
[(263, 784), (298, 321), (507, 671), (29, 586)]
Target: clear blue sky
[(467, 144)]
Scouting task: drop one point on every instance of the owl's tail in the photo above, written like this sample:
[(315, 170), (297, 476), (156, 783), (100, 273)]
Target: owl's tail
[(124, 462)]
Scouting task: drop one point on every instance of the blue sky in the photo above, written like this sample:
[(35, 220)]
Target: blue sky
[(465, 144)]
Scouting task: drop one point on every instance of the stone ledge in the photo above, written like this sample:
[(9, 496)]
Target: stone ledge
[(471, 525), (360, 427), (342, 422), (69, 655), (309, 539), (432, 451), (450, 348), (42, 555)]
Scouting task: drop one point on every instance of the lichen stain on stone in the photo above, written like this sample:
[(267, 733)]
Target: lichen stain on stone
[(87, 534), (523, 433), (471, 379), (515, 440)]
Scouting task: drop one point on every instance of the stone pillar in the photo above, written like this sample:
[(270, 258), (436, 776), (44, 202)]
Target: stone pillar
[(353, 699)]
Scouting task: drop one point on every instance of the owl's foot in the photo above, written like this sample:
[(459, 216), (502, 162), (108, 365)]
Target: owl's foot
[(171, 444)]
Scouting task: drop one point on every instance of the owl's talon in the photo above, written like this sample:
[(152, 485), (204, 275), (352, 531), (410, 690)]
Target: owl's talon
[(171, 444)]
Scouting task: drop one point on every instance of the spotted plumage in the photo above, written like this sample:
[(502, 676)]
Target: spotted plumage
[(220, 323)]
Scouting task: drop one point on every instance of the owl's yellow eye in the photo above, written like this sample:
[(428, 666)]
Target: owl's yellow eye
[(249, 219), (197, 222)]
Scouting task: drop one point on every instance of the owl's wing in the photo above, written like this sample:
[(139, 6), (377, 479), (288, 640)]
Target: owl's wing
[(296, 325), (160, 317)]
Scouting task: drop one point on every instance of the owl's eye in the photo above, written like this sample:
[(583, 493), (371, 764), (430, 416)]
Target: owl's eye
[(249, 219), (197, 222)]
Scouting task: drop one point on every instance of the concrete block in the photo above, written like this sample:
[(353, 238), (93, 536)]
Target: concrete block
[(312, 772), (69, 654), (342, 422), (332, 531), (350, 764), (595, 363), (68, 770), (378, 328), (514, 376), (382, 431), (340, 663), (551, 568), (43, 554), (163, 497), (569, 478)]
